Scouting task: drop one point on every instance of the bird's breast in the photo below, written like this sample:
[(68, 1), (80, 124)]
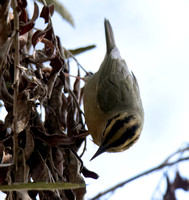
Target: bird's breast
[(95, 118)]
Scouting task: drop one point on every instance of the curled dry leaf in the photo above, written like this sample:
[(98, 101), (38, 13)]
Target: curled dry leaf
[(53, 109), (51, 9), (47, 12), (22, 4), (24, 107), (70, 118), (3, 174), (58, 135), (4, 94), (22, 173), (1, 150), (23, 195), (52, 140), (40, 172), (73, 167), (26, 27), (170, 191), (59, 140), (29, 146), (37, 37), (76, 89), (89, 174), (25, 24), (181, 182), (5, 26), (51, 46), (46, 38), (57, 64), (58, 161), (23, 17), (35, 13), (7, 158), (63, 116)]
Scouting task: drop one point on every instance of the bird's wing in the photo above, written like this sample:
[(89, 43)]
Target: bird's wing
[(116, 88)]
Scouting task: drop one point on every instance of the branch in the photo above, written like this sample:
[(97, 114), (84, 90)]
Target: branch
[(16, 79), (161, 166)]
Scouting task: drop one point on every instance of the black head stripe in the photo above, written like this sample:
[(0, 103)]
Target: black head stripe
[(131, 143), (118, 124), (128, 134), (110, 120)]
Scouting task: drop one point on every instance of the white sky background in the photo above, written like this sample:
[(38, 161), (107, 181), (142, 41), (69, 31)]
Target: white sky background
[(153, 38)]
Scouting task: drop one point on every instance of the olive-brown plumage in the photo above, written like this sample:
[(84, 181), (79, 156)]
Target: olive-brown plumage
[(112, 104)]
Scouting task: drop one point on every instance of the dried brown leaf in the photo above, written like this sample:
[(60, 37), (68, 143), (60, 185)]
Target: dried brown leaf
[(40, 56), (64, 112), (59, 140), (181, 182), (46, 12), (49, 44), (5, 26), (170, 191), (81, 95), (22, 173), (89, 174), (37, 37), (35, 13), (23, 195), (26, 27), (23, 17), (5, 96), (29, 147), (1, 150), (58, 161), (52, 140), (24, 110), (3, 174), (53, 109), (39, 170), (7, 158), (51, 9), (74, 167), (23, 39), (70, 118), (57, 63), (22, 4)]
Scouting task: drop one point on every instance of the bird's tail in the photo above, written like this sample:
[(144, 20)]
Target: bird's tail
[(110, 41)]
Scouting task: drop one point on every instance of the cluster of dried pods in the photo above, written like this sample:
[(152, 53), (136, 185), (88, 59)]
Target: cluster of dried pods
[(33, 149)]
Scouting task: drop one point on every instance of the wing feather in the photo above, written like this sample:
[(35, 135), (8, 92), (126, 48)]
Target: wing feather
[(115, 85)]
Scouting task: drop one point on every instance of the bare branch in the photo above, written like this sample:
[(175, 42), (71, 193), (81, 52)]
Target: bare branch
[(159, 167), (16, 80)]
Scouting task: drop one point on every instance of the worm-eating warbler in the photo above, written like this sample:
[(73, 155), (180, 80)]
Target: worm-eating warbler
[(112, 104)]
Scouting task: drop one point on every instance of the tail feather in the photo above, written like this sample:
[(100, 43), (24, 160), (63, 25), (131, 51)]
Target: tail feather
[(110, 41)]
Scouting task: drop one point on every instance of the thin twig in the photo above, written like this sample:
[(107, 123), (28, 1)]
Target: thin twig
[(181, 150), (162, 165), (72, 56), (16, 80)]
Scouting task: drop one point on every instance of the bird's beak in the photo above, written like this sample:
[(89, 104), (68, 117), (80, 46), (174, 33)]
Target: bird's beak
[(100, 150)]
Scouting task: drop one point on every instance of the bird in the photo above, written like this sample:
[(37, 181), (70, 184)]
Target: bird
[(113, 107)]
